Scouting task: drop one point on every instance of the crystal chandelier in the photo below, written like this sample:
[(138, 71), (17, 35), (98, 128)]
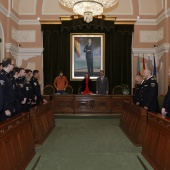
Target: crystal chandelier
[(88, 8)]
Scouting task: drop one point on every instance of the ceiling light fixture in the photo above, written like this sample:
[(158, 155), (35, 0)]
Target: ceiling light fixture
[(88, 8)]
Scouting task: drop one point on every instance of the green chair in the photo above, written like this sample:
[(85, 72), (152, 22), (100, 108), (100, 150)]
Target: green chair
[(69, 90), (160, 101), (48, 90), (117, 90)]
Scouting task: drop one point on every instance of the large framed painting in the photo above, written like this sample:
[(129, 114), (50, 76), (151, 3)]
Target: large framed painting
[(87, 55)]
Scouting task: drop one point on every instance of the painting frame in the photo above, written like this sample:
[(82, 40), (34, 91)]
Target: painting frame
[(79, 62)]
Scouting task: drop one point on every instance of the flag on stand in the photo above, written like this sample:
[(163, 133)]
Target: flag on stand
[(77, 46), (143, 63), (154, 67), (138, 66), (149, 63)]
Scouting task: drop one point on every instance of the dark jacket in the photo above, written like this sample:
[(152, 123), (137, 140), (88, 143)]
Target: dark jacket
[(150, 94)]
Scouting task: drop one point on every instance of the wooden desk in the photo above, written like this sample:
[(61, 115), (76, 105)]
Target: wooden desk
[(89, 104), (133, 122), (16, 143), (156, 144)]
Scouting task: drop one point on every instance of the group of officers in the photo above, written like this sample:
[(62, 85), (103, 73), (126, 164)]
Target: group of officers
[(19, 89), (147, 94)]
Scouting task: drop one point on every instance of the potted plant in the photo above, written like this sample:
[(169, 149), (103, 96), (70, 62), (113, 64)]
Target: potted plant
[(125, 89)]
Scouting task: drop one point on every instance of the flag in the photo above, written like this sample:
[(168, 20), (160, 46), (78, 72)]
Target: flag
[(149, 63), (154, 67), (77, 46), (138, 66), (143, 63)]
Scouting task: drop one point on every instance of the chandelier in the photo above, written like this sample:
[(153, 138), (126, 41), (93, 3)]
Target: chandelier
[(88, 8)]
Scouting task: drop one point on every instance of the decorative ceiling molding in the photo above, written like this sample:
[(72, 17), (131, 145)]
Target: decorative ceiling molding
[(158, 51), (21, 54), (17, 51)]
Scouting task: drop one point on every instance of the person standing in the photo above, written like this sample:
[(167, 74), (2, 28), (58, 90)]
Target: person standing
[(60, 83), (36, 88), (86, 85), (102, 84), (7, 89), (89, 56), (166, 103), (150, 92), (138, 98)]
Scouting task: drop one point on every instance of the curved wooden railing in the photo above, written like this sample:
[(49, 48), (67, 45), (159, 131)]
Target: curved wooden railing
[(42, 122), (16, 143), (133, 122)]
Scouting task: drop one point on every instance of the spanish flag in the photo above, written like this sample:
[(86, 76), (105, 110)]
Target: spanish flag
[(77, 46)]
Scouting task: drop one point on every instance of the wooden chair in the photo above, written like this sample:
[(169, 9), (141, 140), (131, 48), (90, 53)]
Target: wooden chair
[(48, 90), (117, 90), (69, 90), (160, 101), (79, 90)]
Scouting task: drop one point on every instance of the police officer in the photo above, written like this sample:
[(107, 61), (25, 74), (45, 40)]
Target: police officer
[(29, 91), (36, 88), (138, 98), (1, 99), (7, 90), (150, 92), (166, 103), (21, 80)]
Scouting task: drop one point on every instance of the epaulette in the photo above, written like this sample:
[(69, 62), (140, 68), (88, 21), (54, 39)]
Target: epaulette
[(152, 78)]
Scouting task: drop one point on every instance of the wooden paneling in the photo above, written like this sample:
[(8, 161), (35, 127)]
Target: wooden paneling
[(92, 104), (156, 144), (16, 143), (89, 104), (133, 122), (63, 103), (42, 122), (117, 102)]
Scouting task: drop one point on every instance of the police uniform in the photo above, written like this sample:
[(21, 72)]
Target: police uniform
[(166, 102), (18, 95), (23, 92), (29, 95), (36, 89), (138, 98), (1, 99), (150, 94), (8, 95)]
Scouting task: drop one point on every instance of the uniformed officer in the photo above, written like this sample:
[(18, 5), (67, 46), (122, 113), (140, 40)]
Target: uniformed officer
[(17, 90), (1, 99), (138, 98), (7, 90), (29, 91), (21, 81), (150, 92), (36, 88), (166, 103)]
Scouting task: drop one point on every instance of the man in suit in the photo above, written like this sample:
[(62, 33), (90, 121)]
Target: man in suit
[(89, 56), (150, 92), (102, 84)]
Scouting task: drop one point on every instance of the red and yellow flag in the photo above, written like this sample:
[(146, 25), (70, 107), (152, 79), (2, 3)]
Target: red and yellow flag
[(77, 46)]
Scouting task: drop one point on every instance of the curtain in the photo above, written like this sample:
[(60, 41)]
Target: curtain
[(118, 41)]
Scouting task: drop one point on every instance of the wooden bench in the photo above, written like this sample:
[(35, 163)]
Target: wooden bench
[(42, 122), (16, 143), (133, 122), (156, 144)]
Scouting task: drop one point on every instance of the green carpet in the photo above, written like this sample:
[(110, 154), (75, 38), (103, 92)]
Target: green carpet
[(88, 144)]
